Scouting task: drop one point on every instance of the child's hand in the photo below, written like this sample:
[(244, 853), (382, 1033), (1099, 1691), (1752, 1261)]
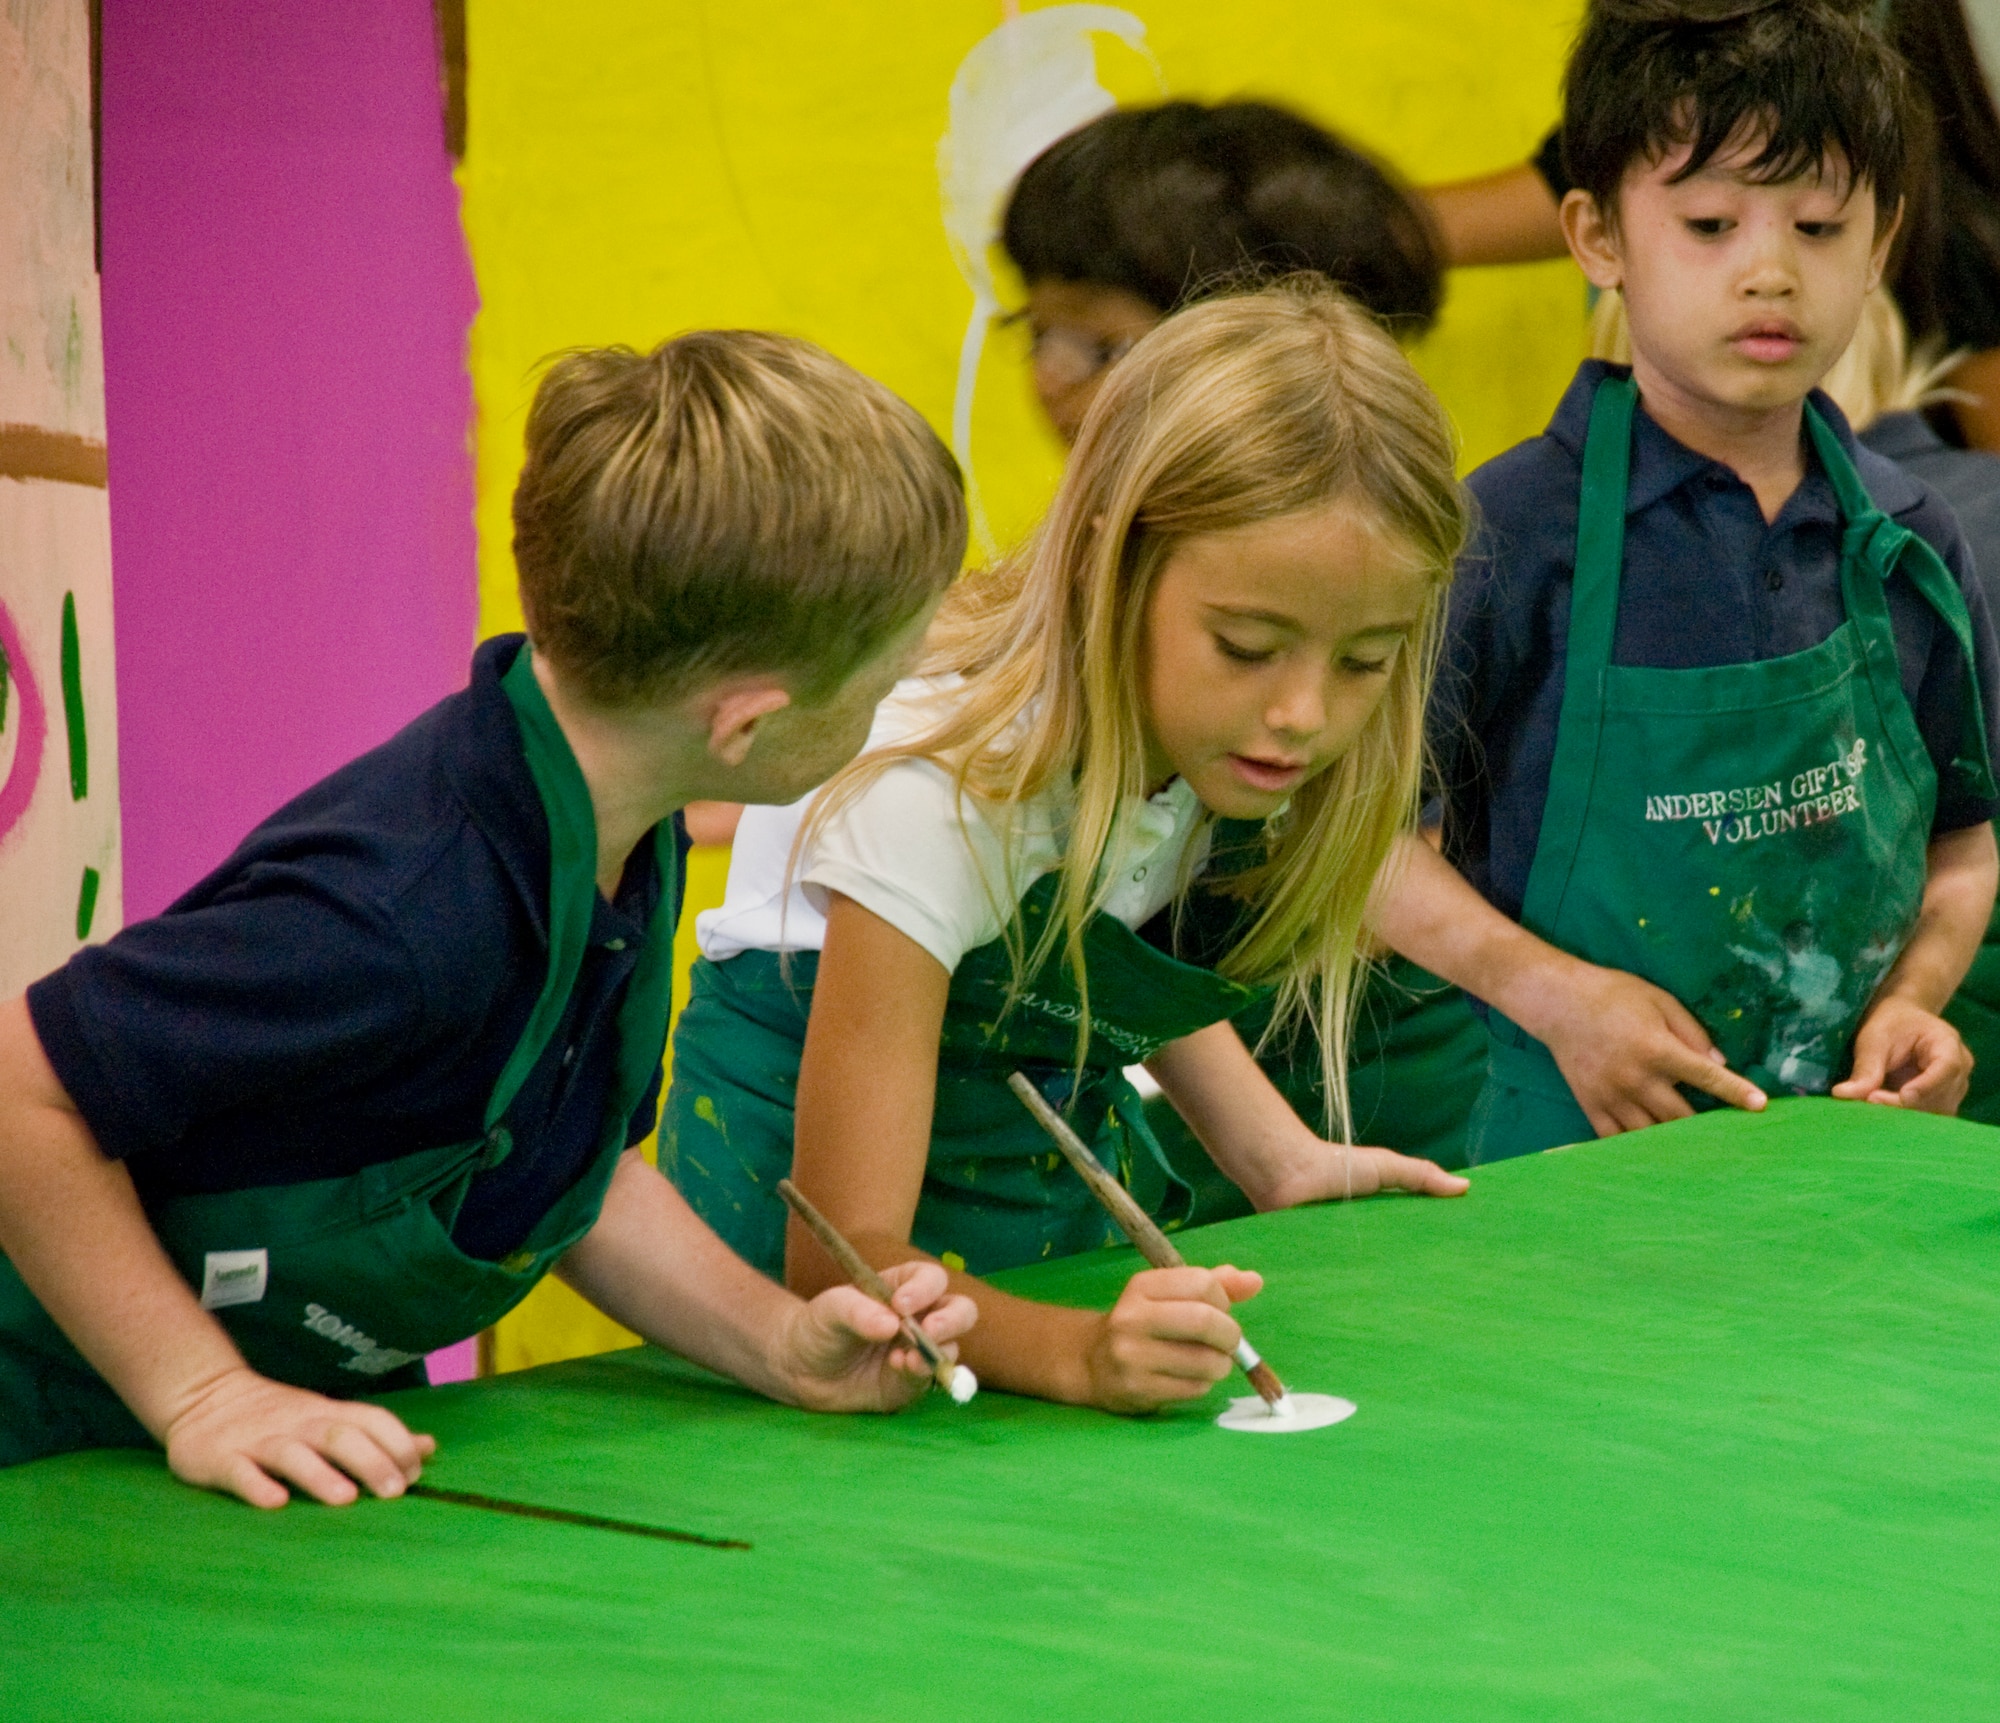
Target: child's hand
[(1333, 1172), (1169, 1337), (1906, 1056), (1622, 1044), (245, 1432), (841, 1351)]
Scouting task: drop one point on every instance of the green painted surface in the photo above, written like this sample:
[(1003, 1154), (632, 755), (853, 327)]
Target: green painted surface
[(86, 901), (72, 687), (1703, 1424)]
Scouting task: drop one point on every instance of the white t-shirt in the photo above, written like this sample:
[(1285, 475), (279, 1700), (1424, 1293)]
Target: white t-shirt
[(901, 850)]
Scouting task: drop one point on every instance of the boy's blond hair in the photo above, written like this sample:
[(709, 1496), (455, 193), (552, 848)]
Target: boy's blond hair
[(732, 502), (1238, 410), (1877, 374)]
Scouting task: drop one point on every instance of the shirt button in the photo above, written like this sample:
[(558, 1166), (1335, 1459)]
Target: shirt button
[(1774, 578), (614, 945), (1138, 875)]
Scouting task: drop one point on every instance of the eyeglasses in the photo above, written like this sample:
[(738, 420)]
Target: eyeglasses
[(1064, 357)]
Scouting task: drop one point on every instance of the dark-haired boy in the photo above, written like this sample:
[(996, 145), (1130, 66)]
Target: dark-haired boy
[(355, 1093), (1716, 720)]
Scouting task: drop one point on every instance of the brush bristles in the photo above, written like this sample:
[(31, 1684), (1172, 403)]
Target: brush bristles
[(1265, 1380)]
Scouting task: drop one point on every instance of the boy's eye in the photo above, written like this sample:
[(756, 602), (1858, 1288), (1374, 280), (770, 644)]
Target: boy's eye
[(1709, 226), (1243, 654), (1821, 229)]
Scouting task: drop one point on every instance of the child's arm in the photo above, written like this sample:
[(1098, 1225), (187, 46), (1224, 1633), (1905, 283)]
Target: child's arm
[(652, 1264), (71, 1223), (1906, 1055), (1276, 1158), (1621, 1043), (866, 1087)]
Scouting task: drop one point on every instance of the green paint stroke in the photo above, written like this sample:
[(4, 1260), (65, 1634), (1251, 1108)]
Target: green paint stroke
[(4, 669), (86, 903), (72, 681)]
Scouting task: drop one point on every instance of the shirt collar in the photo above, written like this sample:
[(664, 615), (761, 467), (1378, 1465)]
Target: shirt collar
[(1903, 436), (1661, 464), (489, 769)]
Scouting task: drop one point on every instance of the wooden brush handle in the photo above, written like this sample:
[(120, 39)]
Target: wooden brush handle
[(856, 1268), (1134, 1221), (852, 1263)]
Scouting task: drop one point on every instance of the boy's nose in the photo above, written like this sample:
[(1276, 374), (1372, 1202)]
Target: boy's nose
[(1772, 271)]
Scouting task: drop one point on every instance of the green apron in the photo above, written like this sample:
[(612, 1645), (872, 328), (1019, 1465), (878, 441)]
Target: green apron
[(1415, 1065), (1750, 837), (343, 1285), (996, 1193)]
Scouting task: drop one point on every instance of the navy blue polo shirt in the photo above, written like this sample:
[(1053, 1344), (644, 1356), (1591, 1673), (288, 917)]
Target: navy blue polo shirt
[(1707, 581), (1967, 479), (347, 986)]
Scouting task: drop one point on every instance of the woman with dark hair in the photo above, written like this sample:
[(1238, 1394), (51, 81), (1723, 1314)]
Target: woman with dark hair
[(1946, 279), (1146, 209)]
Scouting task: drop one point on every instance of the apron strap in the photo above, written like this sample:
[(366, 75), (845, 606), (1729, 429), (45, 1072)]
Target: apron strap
[(1122, 1123), (1885, 546), (1128, 1113), (572, 823), (1593, 625)]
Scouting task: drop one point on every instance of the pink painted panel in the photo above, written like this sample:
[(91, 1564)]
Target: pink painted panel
[(286, 299), (458, 1363)]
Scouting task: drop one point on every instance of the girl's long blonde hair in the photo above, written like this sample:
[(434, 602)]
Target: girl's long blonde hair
[(1238, 410)]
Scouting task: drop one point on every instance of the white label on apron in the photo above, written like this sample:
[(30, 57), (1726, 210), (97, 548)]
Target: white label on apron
[(234, 1277)]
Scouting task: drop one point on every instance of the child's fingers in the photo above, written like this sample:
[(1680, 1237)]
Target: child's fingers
[(950, 1319), (1872, 1053), (1684, 1025), (1698, 1071), (1394, 1172), (850, 1308), (1179, 1371), (364, 1459), (917, 1285), (1189, 1320), (1179, 1285), (1940, 1086), (1149, 1368), (395, 1438), (298, 1463), (1238, 1284), (243, 1478)]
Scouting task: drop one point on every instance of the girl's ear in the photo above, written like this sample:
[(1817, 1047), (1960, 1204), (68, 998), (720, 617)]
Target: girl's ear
[(1593, 240)]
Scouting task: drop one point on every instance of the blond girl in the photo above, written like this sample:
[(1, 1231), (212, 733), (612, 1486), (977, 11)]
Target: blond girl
[(1147, 773)]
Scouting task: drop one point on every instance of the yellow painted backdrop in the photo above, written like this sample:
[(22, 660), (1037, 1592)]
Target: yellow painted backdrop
[(635, 168)]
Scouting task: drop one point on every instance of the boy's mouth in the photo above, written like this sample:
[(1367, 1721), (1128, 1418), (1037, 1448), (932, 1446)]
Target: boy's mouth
[(1769, 341), (1271, 776)]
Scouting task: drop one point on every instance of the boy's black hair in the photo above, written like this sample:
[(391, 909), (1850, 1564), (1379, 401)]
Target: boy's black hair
[(1810, 78), (1171, 200)]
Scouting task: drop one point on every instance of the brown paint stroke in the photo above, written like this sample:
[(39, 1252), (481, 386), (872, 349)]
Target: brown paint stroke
[(29, 452)]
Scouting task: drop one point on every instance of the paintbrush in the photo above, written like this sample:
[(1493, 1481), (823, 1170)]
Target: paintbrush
[(955, 1379), (1138, 1226)]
